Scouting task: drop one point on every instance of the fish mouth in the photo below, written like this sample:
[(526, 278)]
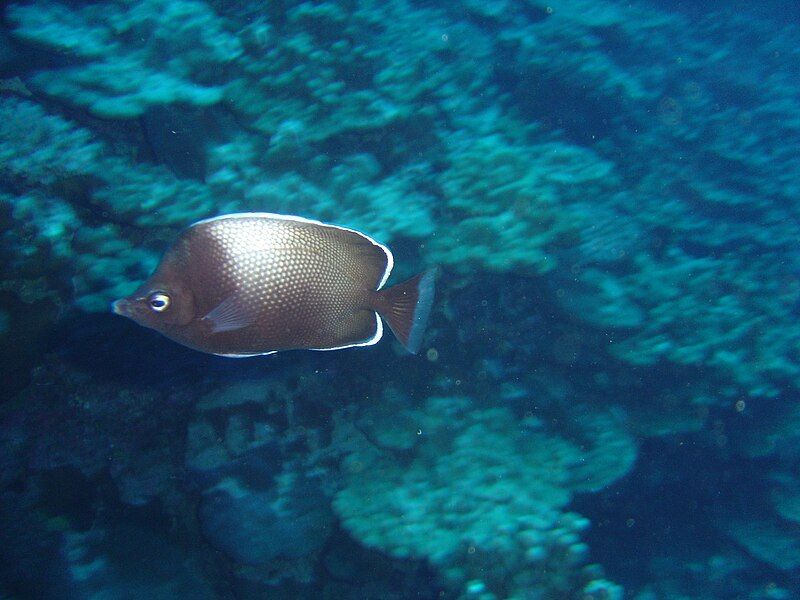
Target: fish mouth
[(120, 307)]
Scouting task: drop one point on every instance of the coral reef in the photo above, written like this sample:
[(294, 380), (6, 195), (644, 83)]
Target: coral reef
[(122, 49), (482, 499), (611, 189), (261, 505)]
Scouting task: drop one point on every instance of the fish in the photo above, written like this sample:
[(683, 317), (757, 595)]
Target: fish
[(249, 284)]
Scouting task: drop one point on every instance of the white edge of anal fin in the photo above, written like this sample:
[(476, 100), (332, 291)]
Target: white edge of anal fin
[(245, 355), (370, 342), (265, 215)]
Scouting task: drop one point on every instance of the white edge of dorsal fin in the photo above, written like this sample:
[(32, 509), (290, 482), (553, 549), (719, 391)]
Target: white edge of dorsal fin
[(265, 215)]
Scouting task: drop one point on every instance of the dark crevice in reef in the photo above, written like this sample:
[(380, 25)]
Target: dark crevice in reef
[(646, 513), (776, 10), (583, 115), (176, 136), (352, 566), (392, 146), (28, 321), (665, 512)]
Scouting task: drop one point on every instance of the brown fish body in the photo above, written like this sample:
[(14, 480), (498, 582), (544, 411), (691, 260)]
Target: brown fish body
[(255, 283)]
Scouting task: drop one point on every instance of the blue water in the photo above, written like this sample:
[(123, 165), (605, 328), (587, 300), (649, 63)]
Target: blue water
[(606, 403)]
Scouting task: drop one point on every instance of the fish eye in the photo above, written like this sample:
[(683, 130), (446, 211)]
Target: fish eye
[(158, 301)]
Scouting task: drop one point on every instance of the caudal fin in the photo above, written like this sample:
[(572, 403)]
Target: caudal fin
[(406, 307)]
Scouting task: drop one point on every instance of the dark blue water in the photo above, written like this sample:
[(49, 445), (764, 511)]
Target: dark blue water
[(606, 403)]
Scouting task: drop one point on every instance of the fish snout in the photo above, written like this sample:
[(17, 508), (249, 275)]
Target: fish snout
[(121, 307)]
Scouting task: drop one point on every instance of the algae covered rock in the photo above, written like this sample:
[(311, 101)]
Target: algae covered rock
[(256, 527)]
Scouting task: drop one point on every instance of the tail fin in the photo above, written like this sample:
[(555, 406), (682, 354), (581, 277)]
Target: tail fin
[(406, 307)]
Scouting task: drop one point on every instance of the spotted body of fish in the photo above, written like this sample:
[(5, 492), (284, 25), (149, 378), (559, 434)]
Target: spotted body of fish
[(256, 283)]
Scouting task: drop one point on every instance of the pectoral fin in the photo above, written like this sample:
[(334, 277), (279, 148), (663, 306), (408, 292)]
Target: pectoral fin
[(229, 315)]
